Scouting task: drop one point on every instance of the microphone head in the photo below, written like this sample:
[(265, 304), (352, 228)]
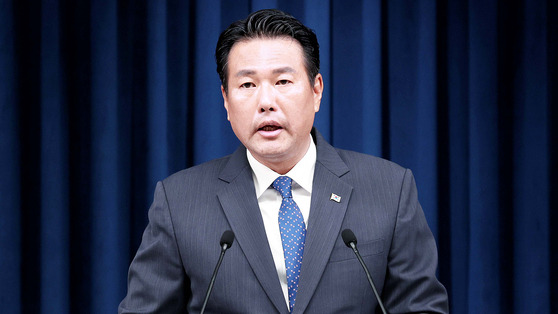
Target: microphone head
[(348, 237), (227, 238)]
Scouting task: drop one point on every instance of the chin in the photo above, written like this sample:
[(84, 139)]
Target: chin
[(271, 152)]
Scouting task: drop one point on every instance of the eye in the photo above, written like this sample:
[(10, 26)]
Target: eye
[(283, 82), (247, 85)]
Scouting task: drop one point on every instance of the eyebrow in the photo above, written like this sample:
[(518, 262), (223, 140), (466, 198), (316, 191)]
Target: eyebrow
[(284, 70), (245, 73), (275, 71)]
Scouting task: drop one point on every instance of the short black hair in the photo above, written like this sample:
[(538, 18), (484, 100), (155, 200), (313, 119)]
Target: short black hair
[(268, 23)]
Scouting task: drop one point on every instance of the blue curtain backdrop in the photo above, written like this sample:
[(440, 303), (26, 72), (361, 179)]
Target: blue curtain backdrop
[(100, 99)]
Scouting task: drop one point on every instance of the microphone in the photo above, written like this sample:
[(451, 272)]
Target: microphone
[(350, 240), (227, 240)]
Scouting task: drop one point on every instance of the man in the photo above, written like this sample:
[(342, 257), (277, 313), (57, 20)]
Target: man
[(287, 195)]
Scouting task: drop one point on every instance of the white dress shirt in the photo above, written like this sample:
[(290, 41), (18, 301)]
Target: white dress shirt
[(270, 200)]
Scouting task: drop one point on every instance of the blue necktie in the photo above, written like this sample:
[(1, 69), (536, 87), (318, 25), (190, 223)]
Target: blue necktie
[(293, 234)]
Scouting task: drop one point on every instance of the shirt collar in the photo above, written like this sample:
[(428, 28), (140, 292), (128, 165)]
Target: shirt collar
[(302, 173)]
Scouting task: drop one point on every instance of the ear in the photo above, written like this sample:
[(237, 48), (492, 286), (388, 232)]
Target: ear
[(225, 102), (318, 90)]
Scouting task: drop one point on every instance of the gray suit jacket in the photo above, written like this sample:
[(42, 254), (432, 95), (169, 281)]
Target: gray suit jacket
[(180, 247)]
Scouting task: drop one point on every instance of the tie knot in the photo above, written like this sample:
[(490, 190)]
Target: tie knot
[(283, 185)]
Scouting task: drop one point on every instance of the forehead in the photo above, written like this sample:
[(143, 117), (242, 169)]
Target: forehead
[(262, 53)]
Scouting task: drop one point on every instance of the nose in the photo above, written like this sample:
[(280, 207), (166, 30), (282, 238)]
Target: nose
[(266, 98)]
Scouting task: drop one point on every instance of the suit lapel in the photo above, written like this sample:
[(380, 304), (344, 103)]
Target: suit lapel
[(326, 217), (242, 210)]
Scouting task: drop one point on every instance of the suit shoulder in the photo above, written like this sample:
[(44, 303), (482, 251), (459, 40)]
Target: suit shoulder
[(203, 172), (364, 164)]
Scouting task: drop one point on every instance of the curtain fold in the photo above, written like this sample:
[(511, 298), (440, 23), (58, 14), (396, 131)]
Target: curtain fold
[(100, 99), (10, 240), (54, 176)]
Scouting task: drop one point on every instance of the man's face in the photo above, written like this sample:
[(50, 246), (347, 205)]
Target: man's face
[(270, 102)]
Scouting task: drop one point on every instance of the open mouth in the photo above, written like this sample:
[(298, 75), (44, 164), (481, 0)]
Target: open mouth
[(269, 128)]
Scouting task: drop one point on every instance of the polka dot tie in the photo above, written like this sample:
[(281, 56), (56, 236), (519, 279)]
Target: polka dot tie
[(293, 234)]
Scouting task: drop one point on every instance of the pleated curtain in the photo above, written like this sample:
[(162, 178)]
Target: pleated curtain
[(101, 99)]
